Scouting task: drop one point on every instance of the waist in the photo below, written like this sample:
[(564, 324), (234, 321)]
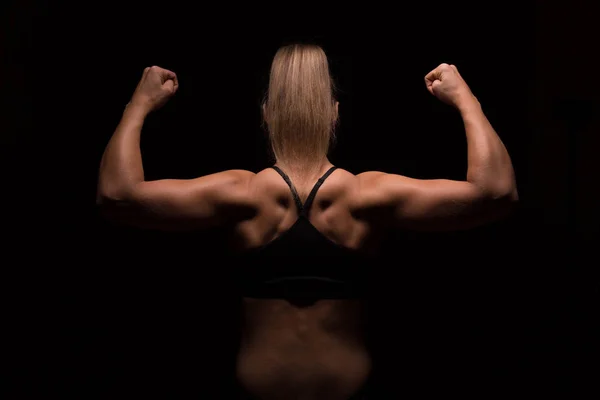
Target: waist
[(303, 289), (285, 347), (333, 371)]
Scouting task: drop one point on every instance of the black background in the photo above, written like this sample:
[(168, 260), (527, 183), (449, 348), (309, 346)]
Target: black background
[(96, 311)]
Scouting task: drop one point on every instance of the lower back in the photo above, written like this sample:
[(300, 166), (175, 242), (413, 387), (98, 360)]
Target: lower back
[(315, 352)]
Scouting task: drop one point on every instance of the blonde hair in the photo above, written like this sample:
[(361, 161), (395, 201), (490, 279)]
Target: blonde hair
[(300, 109)]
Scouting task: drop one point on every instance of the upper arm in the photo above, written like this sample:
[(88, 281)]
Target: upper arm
[(436, 204), (182, 204)]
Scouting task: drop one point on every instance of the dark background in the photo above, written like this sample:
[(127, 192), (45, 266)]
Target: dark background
[(96, 311)]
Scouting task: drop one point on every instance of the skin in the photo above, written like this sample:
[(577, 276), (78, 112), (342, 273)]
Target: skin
[(318, 351)]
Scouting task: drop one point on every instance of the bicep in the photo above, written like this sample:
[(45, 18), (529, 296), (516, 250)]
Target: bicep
[(436, 204), (174, 204)]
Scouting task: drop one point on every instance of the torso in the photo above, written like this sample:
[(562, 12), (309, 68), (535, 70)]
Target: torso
[(331, 212), (315, 352)]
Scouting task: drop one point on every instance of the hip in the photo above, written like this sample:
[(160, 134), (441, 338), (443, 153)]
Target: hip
[(334, 372)]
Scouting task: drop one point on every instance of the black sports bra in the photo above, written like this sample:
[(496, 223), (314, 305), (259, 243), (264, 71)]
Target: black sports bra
[(302, 264)]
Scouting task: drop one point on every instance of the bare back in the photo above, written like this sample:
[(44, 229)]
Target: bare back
[(333, 213), (316, 351), (312, 352)]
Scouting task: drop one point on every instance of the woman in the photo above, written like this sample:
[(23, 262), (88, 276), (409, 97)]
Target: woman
[(307, 226)]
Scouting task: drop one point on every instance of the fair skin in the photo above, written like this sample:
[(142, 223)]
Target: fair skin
[(233, 197), (315, 352)]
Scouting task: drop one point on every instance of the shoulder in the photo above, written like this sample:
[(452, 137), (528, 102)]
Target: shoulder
[(376, 191), (230, 185), (376, 186), (341, 184), (368, 188)]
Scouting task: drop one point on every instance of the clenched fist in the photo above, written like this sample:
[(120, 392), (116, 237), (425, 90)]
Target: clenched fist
[(154, 89), (445, 83)]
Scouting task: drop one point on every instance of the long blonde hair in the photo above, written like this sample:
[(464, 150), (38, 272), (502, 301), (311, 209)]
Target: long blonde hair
[(300, 110)]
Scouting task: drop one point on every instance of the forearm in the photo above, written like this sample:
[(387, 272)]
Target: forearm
[(121, 166), (489, 164)]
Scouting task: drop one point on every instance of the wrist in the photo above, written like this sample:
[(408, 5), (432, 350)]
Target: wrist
[(468, 104), (136, 111)]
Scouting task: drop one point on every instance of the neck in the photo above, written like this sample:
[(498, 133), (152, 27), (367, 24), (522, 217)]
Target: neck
[(303, 169)]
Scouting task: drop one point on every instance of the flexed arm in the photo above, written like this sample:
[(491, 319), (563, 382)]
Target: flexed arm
[(489, 165), (121, 167), (488, 192), (125, 196)]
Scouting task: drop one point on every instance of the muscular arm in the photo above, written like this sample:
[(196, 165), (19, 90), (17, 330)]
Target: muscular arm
[(121, 166), (487, 194), (126, 197), (490, 169)]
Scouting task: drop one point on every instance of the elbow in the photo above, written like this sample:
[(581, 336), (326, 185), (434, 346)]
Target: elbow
[(504, 200), (110, 191), (508, 193), (114, 207), (107, 203), (102, 196), (513, 195), (107, 197), (508, 202)]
